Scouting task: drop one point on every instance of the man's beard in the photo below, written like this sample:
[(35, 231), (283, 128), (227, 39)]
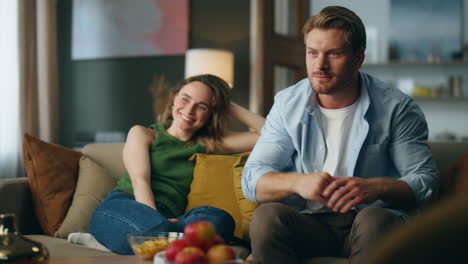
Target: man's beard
[(328, 87)]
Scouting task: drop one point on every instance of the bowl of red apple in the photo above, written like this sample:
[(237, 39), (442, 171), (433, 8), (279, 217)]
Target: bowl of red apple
[(199, 245)]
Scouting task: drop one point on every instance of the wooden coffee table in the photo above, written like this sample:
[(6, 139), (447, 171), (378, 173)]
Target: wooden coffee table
[(104, 260), (100, 260)]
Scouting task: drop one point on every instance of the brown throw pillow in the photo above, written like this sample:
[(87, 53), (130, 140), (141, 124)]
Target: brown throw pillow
[(52, 172)]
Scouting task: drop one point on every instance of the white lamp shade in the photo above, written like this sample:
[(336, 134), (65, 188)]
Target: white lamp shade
[(210, 61)]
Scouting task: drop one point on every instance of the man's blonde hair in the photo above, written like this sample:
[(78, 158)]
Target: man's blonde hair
[(338, 17)]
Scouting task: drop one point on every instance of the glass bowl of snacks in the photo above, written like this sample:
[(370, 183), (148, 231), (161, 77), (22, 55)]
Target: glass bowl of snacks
[(148, 246)]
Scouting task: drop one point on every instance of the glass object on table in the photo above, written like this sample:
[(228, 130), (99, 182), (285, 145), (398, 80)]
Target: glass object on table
[(14, 248)]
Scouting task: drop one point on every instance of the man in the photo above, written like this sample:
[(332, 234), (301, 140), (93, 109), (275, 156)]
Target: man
[(341, 157)]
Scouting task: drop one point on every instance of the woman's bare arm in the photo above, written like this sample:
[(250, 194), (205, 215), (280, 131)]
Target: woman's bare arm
[(248, 118), (137, 162), (236, 142)]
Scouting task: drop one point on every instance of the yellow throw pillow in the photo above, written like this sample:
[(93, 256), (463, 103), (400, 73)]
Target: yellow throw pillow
[(247, 207), (213, 186)]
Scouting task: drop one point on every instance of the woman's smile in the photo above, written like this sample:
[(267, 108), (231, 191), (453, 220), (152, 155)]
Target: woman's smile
[(185, 117), (191, 109)]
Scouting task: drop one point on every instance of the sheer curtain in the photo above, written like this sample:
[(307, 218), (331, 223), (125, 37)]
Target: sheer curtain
[(9, 90), (28, 82)]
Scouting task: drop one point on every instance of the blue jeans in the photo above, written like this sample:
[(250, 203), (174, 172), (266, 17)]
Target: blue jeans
[(119, 214)]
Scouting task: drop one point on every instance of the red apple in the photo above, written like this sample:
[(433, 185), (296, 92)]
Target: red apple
[(190, 255), (200, 234), (218, 240), (175, 247), (220, 254)]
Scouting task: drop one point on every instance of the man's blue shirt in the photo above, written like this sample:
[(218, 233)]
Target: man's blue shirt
[(388, 139)]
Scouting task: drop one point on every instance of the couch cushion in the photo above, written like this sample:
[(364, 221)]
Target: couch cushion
[(94, 182), (107, 155), (213, 185), (246, 206), (446, 152), (454, 179), (52, 171), (217, 182)]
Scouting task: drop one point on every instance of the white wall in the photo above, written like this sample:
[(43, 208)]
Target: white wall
[(443, 115)]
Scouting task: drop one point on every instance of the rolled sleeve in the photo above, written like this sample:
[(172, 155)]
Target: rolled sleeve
[(415, 163), (412, 155), (272, 152), (250, 177)]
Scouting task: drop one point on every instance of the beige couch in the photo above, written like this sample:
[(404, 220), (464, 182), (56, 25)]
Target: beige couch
[(16, 198)]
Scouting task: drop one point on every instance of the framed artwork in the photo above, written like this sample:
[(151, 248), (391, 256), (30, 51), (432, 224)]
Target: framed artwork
[(426, 30), (127, 28)]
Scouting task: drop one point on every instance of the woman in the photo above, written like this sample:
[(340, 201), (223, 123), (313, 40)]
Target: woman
[(152, 195)]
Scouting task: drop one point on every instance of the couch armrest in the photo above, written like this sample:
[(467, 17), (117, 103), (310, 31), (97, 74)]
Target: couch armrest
[(16, 198)]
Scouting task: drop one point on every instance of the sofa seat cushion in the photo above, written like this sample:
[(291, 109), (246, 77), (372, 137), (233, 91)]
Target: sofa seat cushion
[(61, 248)]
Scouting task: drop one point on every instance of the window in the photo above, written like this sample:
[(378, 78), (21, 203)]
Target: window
[(9, 90)]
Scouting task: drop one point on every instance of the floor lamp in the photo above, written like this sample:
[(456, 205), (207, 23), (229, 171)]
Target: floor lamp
[(210, 61)]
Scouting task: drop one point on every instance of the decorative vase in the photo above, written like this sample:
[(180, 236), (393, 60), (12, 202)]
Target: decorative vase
[(17, 249)]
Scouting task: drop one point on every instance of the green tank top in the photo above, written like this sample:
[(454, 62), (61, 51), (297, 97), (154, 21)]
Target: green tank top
[(171, 171)]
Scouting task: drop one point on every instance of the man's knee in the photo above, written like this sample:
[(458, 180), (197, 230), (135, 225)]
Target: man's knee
[(268, 212), (376, 219), (268, 217)]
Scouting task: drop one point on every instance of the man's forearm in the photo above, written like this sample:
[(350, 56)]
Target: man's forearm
[(274, 186)]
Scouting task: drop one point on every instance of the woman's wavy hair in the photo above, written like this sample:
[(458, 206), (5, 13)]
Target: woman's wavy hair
[(210, 135)]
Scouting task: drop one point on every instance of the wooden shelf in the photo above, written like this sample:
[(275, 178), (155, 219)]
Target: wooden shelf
[(417, 63)]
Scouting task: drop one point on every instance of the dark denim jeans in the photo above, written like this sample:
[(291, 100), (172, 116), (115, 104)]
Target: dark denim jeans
[(119, 214)]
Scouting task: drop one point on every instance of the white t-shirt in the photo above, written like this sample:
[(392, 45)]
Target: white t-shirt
[(336, 128)]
